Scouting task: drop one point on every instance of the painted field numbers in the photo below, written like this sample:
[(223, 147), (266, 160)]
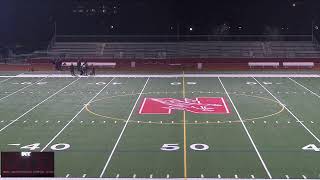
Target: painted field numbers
[(311, 147), (55, 147), (175, 147)]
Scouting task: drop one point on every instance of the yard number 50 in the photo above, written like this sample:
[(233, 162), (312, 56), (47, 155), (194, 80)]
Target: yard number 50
[(175, 147)]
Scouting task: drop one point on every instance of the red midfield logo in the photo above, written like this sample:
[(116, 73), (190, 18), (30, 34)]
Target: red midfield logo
[(200, 105)]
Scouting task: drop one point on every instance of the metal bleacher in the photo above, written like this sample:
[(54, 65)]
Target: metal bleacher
[(188, 49)]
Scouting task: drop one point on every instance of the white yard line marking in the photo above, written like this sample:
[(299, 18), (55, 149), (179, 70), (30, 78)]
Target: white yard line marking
[(298, 120), (21, 89), (37, 105), (123, 129), (304, 87), (246, 130), (75, 116), (6, 80)]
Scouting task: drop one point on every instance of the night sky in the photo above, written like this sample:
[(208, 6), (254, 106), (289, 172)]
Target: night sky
[(32, 20)]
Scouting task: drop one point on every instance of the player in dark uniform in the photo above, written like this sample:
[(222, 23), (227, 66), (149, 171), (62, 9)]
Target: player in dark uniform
[(72, 70), (93, 70)]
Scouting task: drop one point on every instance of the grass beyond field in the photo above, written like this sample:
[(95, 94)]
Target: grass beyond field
[(166, 127)]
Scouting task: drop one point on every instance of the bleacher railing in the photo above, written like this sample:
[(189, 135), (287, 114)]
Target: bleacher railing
[(175, 38)]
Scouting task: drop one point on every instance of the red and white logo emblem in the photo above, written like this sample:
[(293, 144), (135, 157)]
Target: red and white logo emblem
[(200, 105)]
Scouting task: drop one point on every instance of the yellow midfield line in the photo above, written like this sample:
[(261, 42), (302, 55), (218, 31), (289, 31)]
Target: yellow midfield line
[(184, 133)]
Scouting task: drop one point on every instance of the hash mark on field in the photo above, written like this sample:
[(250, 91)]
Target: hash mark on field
[(252, 177), (13, 144), (67, 175), (287, 177), (304, 177)]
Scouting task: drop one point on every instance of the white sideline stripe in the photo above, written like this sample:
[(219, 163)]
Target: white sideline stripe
[(21, 89), (75, 116), (37, 105), (305, 87), (6, 80), (123, 129), (298, 120), (245, 128), (171, 75)]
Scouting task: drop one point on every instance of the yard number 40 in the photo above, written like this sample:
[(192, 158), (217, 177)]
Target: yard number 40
[(311, 147)]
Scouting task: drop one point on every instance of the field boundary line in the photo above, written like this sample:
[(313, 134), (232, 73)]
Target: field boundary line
[(235, 75), (246, 130), (122, 131), (75, 116), (21, 89), (304, 87), (37, 105), (6, 80), (298, 120)]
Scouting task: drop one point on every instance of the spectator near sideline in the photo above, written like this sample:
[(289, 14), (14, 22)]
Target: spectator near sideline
[(72, 70)]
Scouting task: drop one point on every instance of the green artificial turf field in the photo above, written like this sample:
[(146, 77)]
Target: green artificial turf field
[(183, 126)]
